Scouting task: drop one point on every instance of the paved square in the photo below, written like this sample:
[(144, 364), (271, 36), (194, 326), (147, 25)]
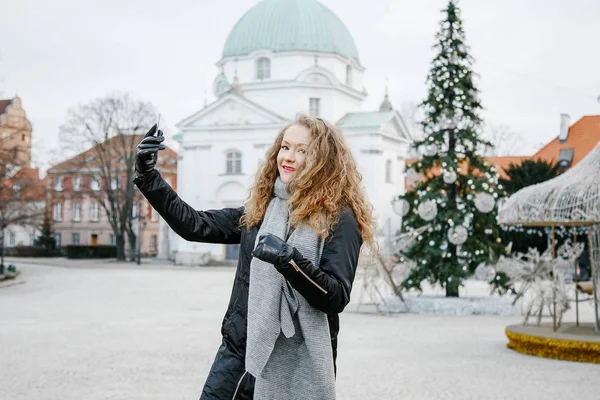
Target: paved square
[(127, 332)]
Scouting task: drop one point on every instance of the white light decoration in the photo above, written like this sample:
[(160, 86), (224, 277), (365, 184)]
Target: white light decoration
[(485, 202), (427, 210), (458, 235), (450, 177), (573, 196), (571, 199)]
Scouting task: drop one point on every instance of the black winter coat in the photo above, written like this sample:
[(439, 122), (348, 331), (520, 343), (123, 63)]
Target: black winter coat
[(227, 378)]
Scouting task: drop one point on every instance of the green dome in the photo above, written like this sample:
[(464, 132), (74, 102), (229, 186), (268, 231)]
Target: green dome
[(288, 25)]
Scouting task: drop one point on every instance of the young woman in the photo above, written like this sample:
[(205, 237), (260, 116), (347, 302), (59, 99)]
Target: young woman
[(300, 234)]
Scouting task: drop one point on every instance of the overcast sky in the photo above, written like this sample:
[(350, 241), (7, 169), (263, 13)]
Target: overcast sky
[(536, 58)]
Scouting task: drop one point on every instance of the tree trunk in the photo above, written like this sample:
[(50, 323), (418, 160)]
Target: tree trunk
[(452, 289), (120, 242), (2, 251), (132, 238)]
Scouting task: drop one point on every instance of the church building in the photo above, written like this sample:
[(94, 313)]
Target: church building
[(281, 58)]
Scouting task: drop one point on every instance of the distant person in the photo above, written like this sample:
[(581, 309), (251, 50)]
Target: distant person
[(300, 234)]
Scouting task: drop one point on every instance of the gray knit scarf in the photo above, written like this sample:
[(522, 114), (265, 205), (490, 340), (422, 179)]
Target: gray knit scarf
[(288, 347)]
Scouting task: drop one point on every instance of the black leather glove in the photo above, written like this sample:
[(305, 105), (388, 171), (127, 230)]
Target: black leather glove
[(273, 250), (146, 152), (289, 262)]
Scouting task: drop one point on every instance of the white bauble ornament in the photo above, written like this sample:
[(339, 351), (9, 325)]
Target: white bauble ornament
[(450, 177), (431, 150), (458, 235), (484, 272), (485, 202), (401, 207), (427, 210)]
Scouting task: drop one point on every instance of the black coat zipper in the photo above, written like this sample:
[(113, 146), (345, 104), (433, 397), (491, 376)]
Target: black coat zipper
[(297, 268)]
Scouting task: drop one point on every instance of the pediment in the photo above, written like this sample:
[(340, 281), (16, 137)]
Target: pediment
[(396, 127), (231, 110)]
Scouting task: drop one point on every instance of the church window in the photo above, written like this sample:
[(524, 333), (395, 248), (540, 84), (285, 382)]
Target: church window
[(348, 75), (263, 68), (314, 106), (388, 171), (233, 162)]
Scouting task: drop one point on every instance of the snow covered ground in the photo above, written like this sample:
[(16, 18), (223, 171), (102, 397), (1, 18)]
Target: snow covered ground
[(116, 331)]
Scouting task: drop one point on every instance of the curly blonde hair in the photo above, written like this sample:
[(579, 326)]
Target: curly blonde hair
[(328, 182)]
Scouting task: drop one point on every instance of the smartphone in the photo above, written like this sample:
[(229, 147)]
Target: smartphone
[(155, 155)]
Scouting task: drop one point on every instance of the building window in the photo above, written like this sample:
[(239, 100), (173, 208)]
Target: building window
[(58, 185), (76, 211), (348, 75), (134, 210), (76, 239), (112, 240), (314, 108), (263, 68), (234, 162), (32, 239), (114, 183), (11, 239), (77, 184), (96, 183), (94, 211), (57, 211), (57, 240), (16, 189), (153, 242), (565, 158), (153, 215), (388, 171)]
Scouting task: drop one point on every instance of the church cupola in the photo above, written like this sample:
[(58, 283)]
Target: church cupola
[(386, 105)]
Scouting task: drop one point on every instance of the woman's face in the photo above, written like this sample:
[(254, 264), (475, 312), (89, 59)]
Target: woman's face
[(292, 152)]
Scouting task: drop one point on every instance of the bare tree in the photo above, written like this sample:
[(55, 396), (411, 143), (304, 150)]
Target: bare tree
[(505, 140), (22, 194), (112, 126)]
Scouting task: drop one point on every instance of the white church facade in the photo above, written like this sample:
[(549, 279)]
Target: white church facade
[(281, 58)]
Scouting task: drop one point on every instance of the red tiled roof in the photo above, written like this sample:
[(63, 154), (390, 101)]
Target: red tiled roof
[(583, 137), (32, 187), (500, 162), (503, 162)]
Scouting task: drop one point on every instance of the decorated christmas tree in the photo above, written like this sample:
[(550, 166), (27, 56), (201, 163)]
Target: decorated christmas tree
[(451, 212)]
